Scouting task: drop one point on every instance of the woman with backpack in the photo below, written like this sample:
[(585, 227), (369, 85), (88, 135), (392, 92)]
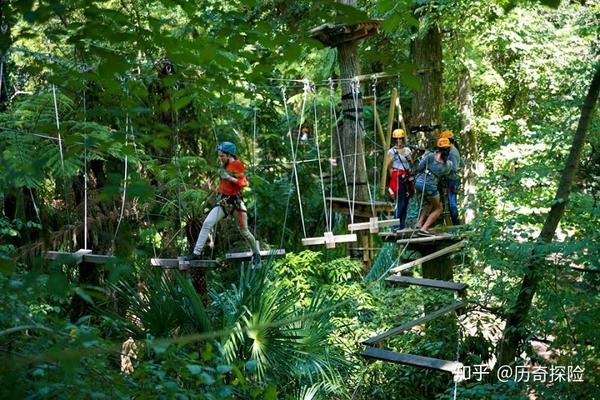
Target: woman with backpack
[(229, 202), (431, 168)]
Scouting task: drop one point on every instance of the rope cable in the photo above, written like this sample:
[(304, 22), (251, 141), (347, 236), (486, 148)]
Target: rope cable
[(253, 90), (327, 220), (341, 150), (294, 152), (85, 177)]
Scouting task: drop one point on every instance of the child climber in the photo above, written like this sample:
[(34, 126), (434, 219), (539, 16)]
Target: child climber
[(229, 202)]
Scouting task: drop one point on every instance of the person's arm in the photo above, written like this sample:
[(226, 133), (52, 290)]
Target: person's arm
[(422, 163), (388, 161)]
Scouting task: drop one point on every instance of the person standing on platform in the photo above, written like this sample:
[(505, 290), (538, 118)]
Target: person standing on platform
[(432, 167), (400, 188), (454, 178)]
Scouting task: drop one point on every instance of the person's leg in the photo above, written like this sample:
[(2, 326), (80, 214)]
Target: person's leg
[(452, 201), (242, 217), (402, 204), (214, 216), (424, 214), (437, 210)]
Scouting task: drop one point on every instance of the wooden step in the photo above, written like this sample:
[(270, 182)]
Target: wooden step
[(247, 255), (439, 253), (433, 283), (403, 327), (178, 263), (413, 360)]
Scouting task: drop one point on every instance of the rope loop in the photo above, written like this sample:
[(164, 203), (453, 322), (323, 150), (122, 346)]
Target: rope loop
[(4, 28), (330, 83)]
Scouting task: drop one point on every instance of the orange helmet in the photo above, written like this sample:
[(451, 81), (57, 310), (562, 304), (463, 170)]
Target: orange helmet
[(447, 135), (398, 134), (443, 142)]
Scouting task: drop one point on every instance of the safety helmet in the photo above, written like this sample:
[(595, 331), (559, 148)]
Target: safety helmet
[(398, 133), (447, 135), (443, 142), (227, 147)]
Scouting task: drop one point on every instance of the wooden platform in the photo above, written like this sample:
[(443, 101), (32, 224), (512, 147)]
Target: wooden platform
[(403, 327), (247, 255), (413, 360), (78, 257), (177, 263), (361, 208), (432, 283)]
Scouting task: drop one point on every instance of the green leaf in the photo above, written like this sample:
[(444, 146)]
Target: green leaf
[(58, 284), (7, 265), (550, 3), (83, 294), (271, 393), (194, 369)]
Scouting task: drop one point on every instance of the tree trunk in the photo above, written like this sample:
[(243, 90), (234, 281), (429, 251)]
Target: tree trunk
[(427, 102), (470, 143), (514, 331)]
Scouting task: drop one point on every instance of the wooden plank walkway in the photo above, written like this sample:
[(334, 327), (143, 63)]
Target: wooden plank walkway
[(412, 360), (433, 283), (247, 255), (78, 257), (177, 263), (403, 327), (428, 257)]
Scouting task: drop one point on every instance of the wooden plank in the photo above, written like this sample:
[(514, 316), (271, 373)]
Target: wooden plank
[(367, 225), (430, 239), (98, 258), (428, 257), (174, 263), (434, 283), (403, 327), (248, 254), (67, 258), (413, 360), (337, 238)]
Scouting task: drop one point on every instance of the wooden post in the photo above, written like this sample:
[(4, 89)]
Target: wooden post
[(387, 141)]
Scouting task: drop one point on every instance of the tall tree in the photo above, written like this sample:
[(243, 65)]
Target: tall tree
[(514, 331)]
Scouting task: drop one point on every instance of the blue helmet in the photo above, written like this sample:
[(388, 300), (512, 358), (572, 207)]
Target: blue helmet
[(227, 147)]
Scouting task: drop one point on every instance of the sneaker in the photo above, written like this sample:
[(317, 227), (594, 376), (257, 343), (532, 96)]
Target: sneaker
[(191, 257), (256, 260)]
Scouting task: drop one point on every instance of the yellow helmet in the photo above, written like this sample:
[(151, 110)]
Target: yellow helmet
[(447, 135), (443, 142), (398, 133)]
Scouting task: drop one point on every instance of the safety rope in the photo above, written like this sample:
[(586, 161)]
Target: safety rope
[(85, 176), (327, 219), (295, 169), (355, 85), (289, 196), (60, 148), (124, 192), (253, 91), (333, 116), (374, 89)]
